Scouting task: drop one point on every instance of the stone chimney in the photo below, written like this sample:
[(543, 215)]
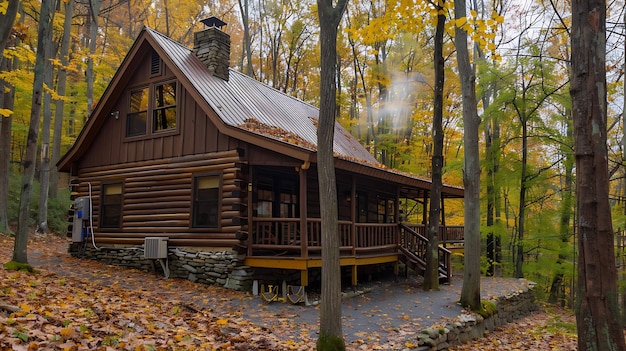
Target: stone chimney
[(212, 47)]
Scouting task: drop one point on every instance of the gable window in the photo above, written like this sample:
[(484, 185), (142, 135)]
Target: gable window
[(152, 109), (137, 113), (164, 110), (206, 198), (111, 205)]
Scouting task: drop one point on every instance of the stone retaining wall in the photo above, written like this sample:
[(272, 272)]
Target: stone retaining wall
[(467, 327), (224, 268)]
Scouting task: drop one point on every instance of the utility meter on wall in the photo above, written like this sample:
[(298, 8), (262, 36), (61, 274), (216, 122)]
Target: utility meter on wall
[(81, 216)]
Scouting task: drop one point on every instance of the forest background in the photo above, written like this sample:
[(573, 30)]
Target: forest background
[(385, 82)]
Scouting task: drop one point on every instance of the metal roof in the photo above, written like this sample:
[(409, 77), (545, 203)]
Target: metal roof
[(243, 102)]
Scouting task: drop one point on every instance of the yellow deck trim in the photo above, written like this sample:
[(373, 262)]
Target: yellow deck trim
[(304, 264), (276, 262)]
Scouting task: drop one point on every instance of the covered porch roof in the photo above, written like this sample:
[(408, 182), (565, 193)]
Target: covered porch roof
[(411, 186)]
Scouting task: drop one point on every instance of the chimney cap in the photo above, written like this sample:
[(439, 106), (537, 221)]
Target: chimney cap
[(213, 22)]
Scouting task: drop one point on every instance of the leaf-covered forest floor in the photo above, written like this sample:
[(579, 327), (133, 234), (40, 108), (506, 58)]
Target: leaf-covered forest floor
[(80, 304)]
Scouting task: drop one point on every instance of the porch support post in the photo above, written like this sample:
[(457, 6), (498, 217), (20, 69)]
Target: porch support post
[(396, 211), (396, 215), (304, 233), (354, 275), (425, 209), (304, 277), (444, 230), (353, 216), (251, 232)]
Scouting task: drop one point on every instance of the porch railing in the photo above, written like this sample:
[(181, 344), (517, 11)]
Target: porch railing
[(285, 234)]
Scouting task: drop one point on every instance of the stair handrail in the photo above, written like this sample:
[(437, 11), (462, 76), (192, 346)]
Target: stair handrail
[(445, 255)]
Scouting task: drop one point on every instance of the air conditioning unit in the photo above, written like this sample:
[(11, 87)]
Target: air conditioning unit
[(155, 247)]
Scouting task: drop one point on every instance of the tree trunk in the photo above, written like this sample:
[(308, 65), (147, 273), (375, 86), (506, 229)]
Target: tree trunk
[(556, 290), (331, 336), (624, 105), (470, 292), (7, 94), (94, 10), (61, 91), (44, 38), (622, 273), (167, 19), (597, 313), (519, 256), (431, 275), (247, 41), (492, 145), (492, 161), (44, 176), (6, 25)]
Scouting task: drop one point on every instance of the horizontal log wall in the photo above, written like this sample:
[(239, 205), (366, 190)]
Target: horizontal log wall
[(157, 200)]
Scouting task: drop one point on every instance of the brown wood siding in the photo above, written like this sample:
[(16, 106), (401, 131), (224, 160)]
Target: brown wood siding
[(195, 133), (158, 195)]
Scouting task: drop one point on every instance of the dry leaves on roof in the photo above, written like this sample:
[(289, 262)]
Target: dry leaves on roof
[(256, 126)]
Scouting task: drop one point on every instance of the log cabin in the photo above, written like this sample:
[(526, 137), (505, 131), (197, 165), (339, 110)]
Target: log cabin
[(187, 162)]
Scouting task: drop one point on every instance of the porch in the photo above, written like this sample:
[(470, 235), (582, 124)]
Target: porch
[(279, 243)]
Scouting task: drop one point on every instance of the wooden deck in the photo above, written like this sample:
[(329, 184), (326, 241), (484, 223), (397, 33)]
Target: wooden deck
[(279, 243)]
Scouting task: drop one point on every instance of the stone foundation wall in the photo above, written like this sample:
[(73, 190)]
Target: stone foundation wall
[(467, 327), (224, 268)]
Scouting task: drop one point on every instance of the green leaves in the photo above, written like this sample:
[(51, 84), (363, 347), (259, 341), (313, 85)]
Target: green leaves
[(20, 335)]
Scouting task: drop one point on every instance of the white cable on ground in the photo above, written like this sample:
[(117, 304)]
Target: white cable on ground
[(93, 236)]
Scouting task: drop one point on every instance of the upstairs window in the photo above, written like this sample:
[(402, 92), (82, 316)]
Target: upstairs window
[(164, 111), (111, 205), (152, 109), (206, 199), (137, 113)]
